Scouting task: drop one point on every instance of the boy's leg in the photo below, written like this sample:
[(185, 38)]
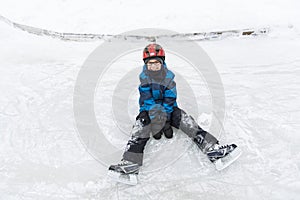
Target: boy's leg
[(184, 122), (140, 135)]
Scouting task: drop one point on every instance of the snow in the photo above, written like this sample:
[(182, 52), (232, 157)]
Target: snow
[(42, 155)]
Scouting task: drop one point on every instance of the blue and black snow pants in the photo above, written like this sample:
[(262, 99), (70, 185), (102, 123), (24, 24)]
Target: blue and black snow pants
[(140, 135)]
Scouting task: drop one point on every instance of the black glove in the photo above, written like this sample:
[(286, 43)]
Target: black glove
[(176, 117), (167, 130), (158, 135), (144, 118)]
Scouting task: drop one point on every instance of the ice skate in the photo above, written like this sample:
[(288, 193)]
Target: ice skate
[(223, 156), (125, 172)]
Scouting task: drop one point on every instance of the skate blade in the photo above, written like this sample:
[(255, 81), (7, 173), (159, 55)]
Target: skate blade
[(129, 179), (223, 163)]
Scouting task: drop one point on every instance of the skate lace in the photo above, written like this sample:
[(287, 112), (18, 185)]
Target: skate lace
[(224, 146), (123, 162)]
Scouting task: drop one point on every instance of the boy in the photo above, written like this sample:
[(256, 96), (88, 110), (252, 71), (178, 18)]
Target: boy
[(159, 112)]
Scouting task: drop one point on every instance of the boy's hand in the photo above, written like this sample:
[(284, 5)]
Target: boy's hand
[(144, 118), (167, 129)]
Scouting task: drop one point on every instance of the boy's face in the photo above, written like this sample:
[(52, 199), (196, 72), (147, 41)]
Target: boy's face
[(153, 65)]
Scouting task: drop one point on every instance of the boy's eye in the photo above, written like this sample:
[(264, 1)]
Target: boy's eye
[(153, 63)]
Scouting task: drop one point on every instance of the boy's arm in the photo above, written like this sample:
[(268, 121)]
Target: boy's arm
[(170, 96), (146, 100)]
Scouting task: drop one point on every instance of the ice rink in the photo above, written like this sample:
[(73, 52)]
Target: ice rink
[(42, 153)]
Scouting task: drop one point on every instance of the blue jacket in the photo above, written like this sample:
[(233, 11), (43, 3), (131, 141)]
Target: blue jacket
[(153, 92)]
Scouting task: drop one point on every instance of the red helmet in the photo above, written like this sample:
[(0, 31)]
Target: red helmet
[(153, 50)]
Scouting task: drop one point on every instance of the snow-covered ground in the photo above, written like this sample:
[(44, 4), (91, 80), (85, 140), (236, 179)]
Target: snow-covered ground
[(42, 155)]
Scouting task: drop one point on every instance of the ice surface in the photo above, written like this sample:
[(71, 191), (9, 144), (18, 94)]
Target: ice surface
[(42, 156)]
